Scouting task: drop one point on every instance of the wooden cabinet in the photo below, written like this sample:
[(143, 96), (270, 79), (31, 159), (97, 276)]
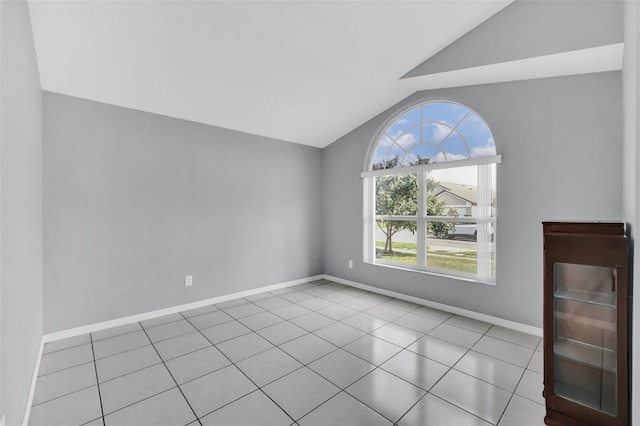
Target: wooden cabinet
[(586, 302)]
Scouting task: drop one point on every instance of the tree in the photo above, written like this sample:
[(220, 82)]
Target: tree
[(436, 207), (397, 195)]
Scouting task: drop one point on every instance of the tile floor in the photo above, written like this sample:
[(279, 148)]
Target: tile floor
[(319, 353)]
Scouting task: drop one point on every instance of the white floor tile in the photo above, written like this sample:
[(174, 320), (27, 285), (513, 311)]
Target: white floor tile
[(300, 392), (343, 409), (513, 336), (531, 387), (523, 412), (456, 335), (385, 393), (255, 409), (415, 369), (324, 354), (473, 395), (491, 370), (432, 410), (509, 352), (308, 348), (341, 368), (208, 393)]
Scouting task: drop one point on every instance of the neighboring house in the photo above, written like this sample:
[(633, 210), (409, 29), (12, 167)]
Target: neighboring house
[(463, 198)]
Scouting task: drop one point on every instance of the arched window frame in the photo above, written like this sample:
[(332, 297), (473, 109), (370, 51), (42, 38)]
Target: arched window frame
[(485, 220)]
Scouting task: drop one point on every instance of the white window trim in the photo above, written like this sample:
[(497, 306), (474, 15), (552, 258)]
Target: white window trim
[(483, 219), (493, 159)]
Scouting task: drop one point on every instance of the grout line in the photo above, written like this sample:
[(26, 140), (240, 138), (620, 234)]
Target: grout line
[(173, 378), (115, 335), (97, 379), (248, 378), (131, 372), (144, 399), (62, 396), (64, 369), (452, 367), (519, 381), (460, 408), (367, 405), (64, 349)]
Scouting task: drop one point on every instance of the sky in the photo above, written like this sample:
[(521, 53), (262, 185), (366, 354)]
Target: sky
[(440, 131)]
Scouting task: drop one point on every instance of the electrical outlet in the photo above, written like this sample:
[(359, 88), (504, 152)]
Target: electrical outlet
[(351, 264), (188, 280)]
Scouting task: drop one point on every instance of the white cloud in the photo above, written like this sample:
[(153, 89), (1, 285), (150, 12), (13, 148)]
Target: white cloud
[(438, 158), (454, 157), (406, 140), (441, 132), (409, 159), (484, 150), (384, 142)]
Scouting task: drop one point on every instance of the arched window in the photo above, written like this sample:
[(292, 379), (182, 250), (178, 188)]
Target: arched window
[(430, 193)]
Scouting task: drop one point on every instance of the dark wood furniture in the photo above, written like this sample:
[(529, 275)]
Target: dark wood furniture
[(586, 302)]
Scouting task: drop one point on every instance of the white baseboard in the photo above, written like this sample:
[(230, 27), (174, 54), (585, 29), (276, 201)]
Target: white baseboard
[(171, 310), (32, 389), (193, 305), (454, 310)]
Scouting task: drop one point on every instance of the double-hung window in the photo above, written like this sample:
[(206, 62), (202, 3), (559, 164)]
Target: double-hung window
[(430, 193)]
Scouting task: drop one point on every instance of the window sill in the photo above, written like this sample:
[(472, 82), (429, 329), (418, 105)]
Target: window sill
[(431, 272)]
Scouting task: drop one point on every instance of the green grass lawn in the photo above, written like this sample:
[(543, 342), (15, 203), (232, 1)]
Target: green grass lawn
[(405, 246), (462, 261)]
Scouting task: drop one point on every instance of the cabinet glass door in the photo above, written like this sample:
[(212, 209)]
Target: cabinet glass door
[(584, 346)]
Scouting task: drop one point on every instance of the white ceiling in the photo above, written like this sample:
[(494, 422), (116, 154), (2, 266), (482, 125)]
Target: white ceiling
[(301, 71)]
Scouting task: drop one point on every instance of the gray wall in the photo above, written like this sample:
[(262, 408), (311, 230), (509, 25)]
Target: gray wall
[(133, 202), (530, 28), (20, 211), (561, 142)]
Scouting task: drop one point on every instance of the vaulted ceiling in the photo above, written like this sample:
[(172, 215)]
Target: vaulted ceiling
[(301, 71)]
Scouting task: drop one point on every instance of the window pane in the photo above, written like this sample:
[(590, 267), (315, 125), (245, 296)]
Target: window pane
[(452, 246), (454, 148), (388, 157), (421, 154), (445, 112), (380, 154), (409, 138), (454, 130), (453, 192), (396, 241), (435, 133), (409, 119), (477, 135), (397, 195)]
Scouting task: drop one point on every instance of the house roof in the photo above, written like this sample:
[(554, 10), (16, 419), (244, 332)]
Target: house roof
[(465, 192)]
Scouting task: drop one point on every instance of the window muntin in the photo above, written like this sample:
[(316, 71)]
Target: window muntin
[(433, 132), (441, 217)]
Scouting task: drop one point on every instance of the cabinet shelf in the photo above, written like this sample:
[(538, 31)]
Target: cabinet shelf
[(591, 298), (589, 355), (581, 320)]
